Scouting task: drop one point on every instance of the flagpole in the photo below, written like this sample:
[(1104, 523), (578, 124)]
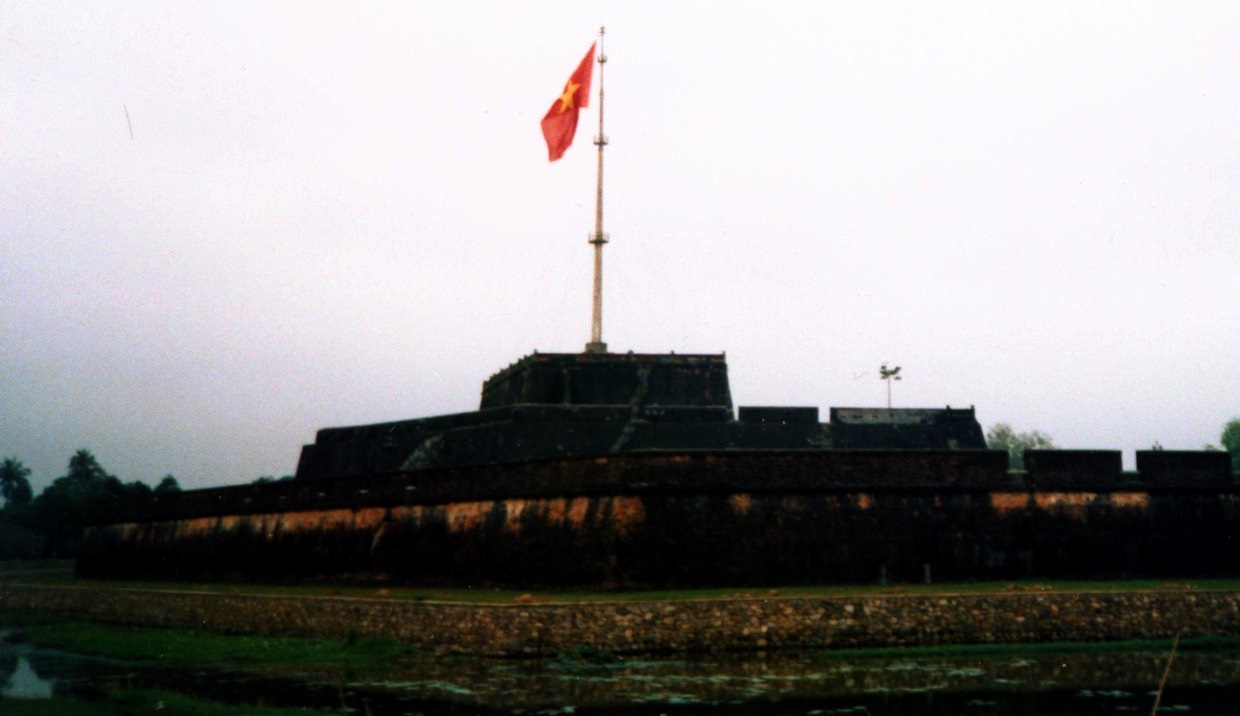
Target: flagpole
[(598, 238)]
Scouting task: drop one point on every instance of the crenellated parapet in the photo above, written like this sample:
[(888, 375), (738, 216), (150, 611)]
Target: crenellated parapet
[(561, 405)]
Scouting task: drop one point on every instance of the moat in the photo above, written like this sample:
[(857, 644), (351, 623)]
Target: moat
[(1047, 680)]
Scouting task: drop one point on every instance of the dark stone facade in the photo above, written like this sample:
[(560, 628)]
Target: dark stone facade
[(906, 429), (689, 519), (564, 405), (631, 470), (611, 379)]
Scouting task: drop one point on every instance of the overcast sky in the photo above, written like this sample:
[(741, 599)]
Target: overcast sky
[(224, 226)]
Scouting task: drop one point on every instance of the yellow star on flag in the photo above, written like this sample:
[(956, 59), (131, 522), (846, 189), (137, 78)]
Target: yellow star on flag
[(560, 123), (566, 99)]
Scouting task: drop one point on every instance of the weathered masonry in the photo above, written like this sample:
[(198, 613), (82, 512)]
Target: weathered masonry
[(699, 518), (707, 625), (631, 470), (563, 405)]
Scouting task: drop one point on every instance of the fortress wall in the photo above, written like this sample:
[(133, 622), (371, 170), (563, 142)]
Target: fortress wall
[(653, 472), (1184, 468), (743, 623), (690, 519), (1066, 468), (705, 471)]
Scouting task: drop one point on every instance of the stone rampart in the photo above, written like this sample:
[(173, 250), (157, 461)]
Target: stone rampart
[(694, 519), (664, 626)]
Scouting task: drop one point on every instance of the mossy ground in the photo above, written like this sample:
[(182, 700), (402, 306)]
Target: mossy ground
[(135, 703), (62, 573), (320, 659), (188, 648)]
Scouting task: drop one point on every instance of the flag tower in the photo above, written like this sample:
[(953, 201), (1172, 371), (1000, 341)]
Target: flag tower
[(598, 238)]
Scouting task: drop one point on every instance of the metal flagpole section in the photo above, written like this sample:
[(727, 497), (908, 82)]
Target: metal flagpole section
[(598, 238)]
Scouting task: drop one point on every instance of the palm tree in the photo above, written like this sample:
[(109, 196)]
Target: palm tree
[(15, 482)]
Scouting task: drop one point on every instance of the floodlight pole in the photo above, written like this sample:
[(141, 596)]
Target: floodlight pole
[(889, 375), (598, 238)]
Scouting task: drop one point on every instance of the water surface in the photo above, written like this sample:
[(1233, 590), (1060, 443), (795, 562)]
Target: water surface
[(1006, 681)]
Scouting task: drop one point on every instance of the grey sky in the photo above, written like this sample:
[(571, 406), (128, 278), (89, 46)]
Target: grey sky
[(340, 213)]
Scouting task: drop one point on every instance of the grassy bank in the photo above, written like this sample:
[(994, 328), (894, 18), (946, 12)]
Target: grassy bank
[(322, 659), (62, 575), (137, 702), (185, 648)]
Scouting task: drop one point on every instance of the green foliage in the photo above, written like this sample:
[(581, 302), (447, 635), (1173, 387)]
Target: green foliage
[(1001, 436), (15, 482), (52, 524), (16, 541), (178, 647), (136, 702), (84, 468), (57, 707), (1230, 440), (168, 486), (168, 703), (85, 494), (268, 479), (585, 654)]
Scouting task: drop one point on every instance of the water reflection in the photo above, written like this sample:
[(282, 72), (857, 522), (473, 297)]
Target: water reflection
[(18, 677), (802, 684), (22, 682), (805, 683)]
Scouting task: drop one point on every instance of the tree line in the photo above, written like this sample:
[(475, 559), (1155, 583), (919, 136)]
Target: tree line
[(51, 524)]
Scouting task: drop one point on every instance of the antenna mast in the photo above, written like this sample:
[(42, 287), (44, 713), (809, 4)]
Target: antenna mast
[(598, 238)]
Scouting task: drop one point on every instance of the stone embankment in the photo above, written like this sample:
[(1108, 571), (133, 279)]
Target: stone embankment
[(742, 623)]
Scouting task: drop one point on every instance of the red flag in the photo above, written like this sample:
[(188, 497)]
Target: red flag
[(560, 124)]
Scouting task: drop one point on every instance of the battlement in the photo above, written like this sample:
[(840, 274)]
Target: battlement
[(610, 379), (564, 405), (906, 428)]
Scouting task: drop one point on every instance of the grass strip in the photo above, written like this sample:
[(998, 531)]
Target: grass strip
[(500, 596), (137, 703), (184, 648)]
